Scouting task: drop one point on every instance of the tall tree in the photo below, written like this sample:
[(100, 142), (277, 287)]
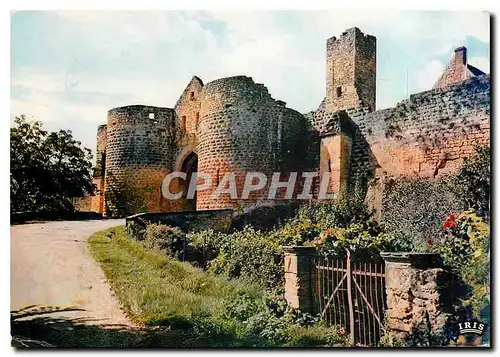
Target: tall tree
[(47, 170)]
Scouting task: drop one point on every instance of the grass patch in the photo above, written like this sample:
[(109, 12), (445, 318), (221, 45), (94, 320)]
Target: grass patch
[(156, 290)]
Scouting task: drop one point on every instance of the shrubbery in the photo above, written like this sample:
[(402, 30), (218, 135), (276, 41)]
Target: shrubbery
[(451, 217), (171, 240), (464, 244), (256, 255), (413, 210), (474, 181), (248, 254), (270, 318)]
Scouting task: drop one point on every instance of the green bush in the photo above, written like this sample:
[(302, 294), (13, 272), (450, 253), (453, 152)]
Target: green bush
[(349, 207), (413, 210), (269, 318), (312, 219), (474, 181), (136, 230), (365, 243), (257, 256), (170, 240), (247, 254)]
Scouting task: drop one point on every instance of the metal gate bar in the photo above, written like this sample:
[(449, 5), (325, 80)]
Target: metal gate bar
[(351, 294)]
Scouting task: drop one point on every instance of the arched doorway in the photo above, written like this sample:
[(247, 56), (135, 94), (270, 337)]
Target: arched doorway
[(189, 166)]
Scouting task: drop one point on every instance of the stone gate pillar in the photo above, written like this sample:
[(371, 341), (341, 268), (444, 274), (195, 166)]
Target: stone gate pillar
[(419, 297), (300, 277)]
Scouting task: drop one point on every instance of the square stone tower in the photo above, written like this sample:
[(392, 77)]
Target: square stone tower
[(351, 71)]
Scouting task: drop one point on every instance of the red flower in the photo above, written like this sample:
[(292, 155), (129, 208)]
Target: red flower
[(450, 224), (451, 217), (428, 241)]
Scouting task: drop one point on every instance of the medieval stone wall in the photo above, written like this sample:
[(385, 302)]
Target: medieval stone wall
[(97, 201), (295, 141), (427, 135), (365, 67), (102, 132), (139, 153)]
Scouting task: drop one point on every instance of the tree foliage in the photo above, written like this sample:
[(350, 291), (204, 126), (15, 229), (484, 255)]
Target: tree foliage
[(47, 169)]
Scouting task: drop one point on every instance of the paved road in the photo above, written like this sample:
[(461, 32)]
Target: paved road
[(51, 266)]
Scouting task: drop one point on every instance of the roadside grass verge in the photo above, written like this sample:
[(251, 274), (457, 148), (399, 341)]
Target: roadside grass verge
[(161, 292)]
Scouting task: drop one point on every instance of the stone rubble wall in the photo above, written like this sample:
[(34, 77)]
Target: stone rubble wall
[(419, 299), (426, 136), (187, 113)]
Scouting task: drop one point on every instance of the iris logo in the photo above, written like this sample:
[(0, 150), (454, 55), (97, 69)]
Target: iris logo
[(474, 327)]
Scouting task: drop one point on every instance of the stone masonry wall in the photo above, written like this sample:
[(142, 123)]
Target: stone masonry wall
[(97, 201), (335, 154), (420, 294), (294, 142), (101, 139), (365, 69), (427, 135), (139, 153)]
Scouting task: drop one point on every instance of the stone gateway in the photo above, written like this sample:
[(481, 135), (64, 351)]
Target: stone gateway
[(234, 125)]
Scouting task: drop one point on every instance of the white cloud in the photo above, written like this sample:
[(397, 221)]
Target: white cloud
[(481, 63), (429, 75)]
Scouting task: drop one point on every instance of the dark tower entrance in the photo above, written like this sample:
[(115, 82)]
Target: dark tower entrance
[(189, 166)]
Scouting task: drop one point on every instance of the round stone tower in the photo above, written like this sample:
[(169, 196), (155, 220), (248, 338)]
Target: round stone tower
[(139, 150), (239, 131)]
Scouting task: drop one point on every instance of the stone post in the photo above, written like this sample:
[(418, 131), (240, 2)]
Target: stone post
[(300, 277), (418, 294)]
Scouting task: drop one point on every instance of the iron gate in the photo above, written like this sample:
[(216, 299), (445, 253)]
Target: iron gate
[(351, 294)]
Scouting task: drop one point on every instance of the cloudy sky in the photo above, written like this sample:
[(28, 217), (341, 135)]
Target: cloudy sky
[(69, 68)]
